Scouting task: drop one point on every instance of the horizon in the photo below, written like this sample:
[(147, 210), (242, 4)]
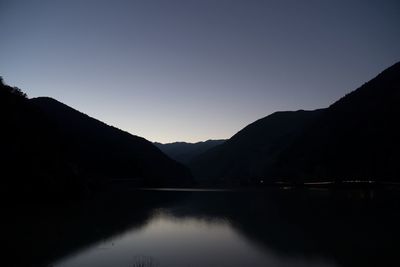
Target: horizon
[(187, 71)]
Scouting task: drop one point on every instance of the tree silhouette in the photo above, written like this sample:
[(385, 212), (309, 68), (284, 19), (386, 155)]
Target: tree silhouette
[(11, 90)]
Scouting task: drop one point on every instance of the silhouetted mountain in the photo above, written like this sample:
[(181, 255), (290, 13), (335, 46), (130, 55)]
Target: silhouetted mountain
[(243, 158), (32, 160), (105, 152), (52, 145), (356, 138), (49, 148), (184, 152)]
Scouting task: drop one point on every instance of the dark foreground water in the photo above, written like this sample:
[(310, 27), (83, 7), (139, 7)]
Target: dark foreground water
[(295, 227)]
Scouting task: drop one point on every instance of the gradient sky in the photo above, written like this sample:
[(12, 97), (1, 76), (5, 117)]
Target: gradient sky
[(193, 70)]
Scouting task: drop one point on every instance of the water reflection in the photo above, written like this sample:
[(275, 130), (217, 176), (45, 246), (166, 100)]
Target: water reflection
[(167, 228), (171, 241)]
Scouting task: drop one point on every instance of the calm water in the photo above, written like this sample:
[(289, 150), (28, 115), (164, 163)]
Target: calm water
[(168, 241), (183, 228)]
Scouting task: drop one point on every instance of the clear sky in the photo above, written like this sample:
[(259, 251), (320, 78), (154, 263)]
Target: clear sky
[(192, 70)]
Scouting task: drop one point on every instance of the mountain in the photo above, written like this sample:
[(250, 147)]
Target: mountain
[(356, 138), (32, 160), (105, 152), (184, 152), (49, 148), (243, 158)]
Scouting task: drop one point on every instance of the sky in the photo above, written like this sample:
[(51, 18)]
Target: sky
[(191, 70)]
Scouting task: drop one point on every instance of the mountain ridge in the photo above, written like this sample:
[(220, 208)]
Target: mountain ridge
[(184, 152), (121, 147), (52, 150), (357, 136), (354, 138), (240, 160)]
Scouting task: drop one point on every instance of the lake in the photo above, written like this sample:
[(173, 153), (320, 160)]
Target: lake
[(271, 227)]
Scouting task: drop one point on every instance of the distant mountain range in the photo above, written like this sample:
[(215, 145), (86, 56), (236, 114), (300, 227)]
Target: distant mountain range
[(356, 138), (48, 147), (185, 152)]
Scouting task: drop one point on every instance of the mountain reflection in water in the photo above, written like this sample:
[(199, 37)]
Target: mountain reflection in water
[(188, 241), (299, 227)]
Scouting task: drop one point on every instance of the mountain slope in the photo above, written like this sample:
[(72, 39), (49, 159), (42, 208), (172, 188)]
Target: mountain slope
[(243, 158), (50, 151), (32, 161), (184, 152), (105, 152), (357, 138)]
